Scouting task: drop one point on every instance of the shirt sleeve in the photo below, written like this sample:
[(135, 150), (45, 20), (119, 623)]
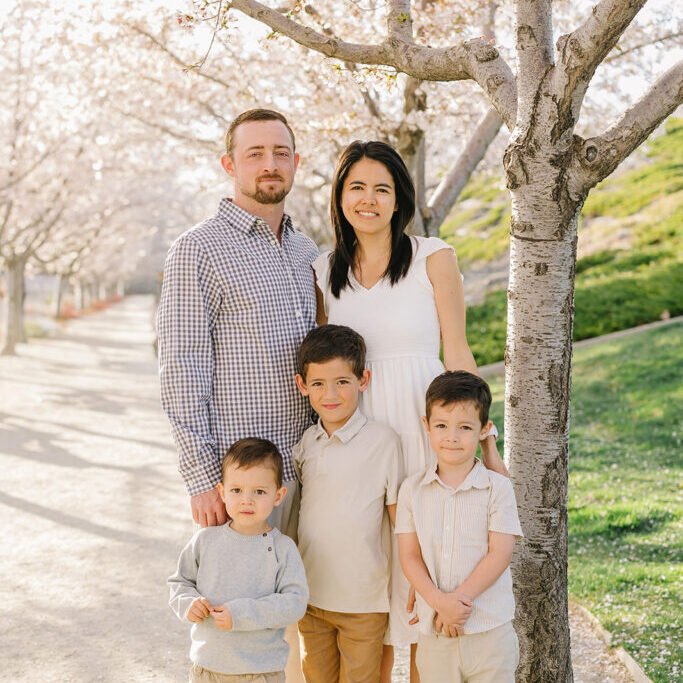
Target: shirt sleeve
[(503, 516), (286, 606), (405, 521), (297, 453), (190, 300), (183, 584), (394, 470)]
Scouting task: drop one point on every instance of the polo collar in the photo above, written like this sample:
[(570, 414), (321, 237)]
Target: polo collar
[(477, 478), (355, 423), (245, 221)]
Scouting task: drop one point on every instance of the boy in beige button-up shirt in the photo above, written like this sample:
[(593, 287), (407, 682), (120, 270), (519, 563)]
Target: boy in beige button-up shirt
[(456, 526), (349, 469)]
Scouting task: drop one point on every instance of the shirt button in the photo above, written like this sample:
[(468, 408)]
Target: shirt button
[(265, 533), (298, 314)]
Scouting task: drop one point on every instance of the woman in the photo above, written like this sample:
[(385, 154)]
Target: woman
[(405, 296)]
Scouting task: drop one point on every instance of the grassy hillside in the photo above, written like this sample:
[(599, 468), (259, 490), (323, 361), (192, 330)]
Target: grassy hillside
[(616, 288), (625, 508), (646, 203)]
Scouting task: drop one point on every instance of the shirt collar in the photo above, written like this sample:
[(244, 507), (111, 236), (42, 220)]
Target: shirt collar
[(245, 221), (477, 477), (355, 423)]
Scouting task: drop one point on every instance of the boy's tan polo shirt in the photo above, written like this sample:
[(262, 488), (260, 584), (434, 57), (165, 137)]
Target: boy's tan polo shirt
[(452, 527), (347, 479)]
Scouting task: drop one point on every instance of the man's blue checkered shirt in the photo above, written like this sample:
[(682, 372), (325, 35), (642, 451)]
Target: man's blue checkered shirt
[(235, 305)]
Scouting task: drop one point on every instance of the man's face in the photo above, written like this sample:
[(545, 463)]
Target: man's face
[(262, 162)]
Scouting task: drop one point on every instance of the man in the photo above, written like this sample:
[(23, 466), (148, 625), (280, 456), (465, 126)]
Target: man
[(238, 297)]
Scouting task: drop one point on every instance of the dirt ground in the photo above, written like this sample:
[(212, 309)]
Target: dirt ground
[(93, 513)]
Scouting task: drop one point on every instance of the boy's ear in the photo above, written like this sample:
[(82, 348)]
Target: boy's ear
[(425, 423), (301, 384), (365, 380), (221, 490), (280, 495), (485, 430)]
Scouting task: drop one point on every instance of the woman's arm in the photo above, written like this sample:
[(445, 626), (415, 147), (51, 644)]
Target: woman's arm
[(449, 297)]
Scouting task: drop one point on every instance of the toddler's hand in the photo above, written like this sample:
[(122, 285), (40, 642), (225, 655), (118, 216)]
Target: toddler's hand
[(222, 617), (199, 610), (410, 606)]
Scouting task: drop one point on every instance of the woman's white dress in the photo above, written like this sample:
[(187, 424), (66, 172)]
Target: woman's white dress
[(401, 329)]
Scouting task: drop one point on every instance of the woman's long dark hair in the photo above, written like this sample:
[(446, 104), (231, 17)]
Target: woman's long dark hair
[(345, 241)]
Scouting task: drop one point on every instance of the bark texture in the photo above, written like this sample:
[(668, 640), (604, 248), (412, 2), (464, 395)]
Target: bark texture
[(13, 324)]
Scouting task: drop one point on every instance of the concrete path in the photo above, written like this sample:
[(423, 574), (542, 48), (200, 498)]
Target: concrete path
[(93, 513)]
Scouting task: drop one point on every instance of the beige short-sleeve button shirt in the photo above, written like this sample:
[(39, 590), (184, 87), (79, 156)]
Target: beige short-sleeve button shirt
[(452, 528), (347, 480)]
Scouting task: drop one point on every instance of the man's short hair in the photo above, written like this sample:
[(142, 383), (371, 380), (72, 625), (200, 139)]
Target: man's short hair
[(328, 342), (459, 387), (246, 453), (255, 115)]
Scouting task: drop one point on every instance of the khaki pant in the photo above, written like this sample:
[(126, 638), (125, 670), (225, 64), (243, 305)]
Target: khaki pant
[(340, 647), (199, 674), (488, 657)]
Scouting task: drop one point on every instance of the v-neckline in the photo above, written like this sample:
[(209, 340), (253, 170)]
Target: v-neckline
[(361, 285)]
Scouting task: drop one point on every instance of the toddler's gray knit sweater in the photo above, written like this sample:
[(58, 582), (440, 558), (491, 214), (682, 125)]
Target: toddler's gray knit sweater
[(262, 582)]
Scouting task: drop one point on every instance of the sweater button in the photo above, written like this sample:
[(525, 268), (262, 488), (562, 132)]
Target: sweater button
[(269, 549), (265, 533)]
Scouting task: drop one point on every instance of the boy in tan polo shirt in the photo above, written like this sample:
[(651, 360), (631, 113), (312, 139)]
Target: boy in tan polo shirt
[(456, 525), (349, 469)]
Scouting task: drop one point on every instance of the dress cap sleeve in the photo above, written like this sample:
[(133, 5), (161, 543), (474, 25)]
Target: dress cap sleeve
[(428, 245), (321, 268)]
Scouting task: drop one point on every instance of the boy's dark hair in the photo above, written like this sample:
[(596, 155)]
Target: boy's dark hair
[(328, 342), (254, 115), (458, 387), (249, 452)]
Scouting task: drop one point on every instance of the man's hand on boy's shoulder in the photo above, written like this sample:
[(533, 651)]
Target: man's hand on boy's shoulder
[(199, 610), (222, 617)]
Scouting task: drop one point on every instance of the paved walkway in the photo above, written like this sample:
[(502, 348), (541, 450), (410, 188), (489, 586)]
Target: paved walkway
[(93, 513)]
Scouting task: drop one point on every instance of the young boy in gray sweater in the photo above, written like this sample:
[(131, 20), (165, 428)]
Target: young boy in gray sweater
[(242, 583)]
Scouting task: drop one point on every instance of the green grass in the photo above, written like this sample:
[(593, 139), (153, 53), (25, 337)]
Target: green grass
[(614, 290), (625, 507)]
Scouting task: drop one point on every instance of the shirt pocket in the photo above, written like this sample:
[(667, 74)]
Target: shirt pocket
[(473, 522)]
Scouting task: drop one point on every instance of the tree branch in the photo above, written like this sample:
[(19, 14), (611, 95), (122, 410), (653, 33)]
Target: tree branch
[(640, 46), (534, 41), (473, 59), (452, 184), (583, 50), (597, 157), (399, 21)]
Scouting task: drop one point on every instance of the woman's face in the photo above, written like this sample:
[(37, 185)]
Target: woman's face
[(368, 198)]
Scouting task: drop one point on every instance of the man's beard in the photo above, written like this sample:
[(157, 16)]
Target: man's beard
[(267, 196)]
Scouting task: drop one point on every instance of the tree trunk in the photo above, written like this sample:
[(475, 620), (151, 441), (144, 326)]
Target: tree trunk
[(537, 378), (79, 295), (120, 288), (58, 296), (13, 323), (102, 292)]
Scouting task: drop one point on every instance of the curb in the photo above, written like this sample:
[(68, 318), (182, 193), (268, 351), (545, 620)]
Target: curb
[(493, 369), (604, 635)]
